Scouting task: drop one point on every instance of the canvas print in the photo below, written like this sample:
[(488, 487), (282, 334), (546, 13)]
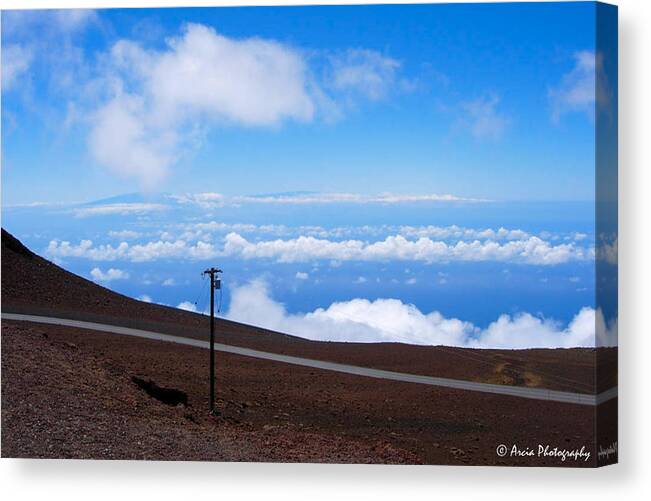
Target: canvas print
[(332, 234)]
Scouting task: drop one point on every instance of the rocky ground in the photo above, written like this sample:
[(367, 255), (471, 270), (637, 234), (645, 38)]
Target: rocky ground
[(70, 393)]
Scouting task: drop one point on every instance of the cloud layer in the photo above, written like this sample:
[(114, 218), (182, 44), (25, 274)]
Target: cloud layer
[(121, 209), (391, 320), (532, 250), (528, 250), (355, 198)]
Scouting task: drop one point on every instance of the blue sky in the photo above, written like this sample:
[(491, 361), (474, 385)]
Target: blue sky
[(467, 107), (422, 174)]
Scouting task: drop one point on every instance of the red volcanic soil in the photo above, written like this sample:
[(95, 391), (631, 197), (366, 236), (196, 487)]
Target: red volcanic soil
[(71, 393)]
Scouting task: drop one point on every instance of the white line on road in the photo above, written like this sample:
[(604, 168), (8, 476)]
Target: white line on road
[(458, 384)]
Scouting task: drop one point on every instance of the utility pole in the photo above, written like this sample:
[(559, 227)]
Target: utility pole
[(214, 284)]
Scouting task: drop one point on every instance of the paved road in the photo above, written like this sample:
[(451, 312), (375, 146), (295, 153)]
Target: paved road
[(514, 391)]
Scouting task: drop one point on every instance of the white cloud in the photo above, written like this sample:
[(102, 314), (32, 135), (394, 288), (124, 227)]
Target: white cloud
[(447, 232), (483, 119), (582, 88), (187, 306), (168, 282), (46, 36), (249, 82), (112, 274), (150, 251), (123, 139), (301, 275), (360, 280), (46, 23), (531, 250), (160, 100), (307, 249), (334, 198), (16, 60), (525, 331), (156, 106), (117, 209), (144, 298), (364, 71), (411, 281), (203, 200), (204, 230), (72, 20), (391, 320), (124, 234)]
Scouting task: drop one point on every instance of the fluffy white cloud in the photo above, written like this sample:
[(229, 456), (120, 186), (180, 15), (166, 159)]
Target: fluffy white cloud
[(160, 100), (582, 88), (144, 298), (156, 105), (16, 60), (111, 274), (123, 139), (248, 82), (301, 275), (533, 250), (391, 320), (483, 119), (529, 250), (150, 251)]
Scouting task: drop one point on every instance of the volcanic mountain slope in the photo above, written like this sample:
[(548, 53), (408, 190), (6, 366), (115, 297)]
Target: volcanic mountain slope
[(31, 284), (74, 393)]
